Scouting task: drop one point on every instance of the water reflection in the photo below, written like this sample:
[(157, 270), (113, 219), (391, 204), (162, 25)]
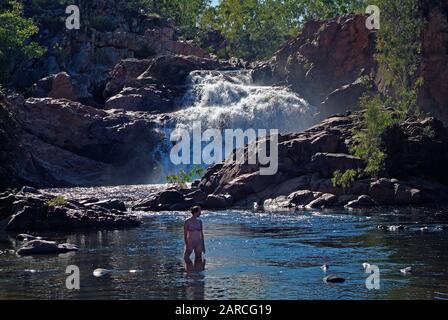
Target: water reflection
[(195, 285), (249, 256)]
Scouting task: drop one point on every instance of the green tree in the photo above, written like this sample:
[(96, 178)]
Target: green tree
[(254, 29), (186, 14), (15, 34), (399, 52), (182, 177)]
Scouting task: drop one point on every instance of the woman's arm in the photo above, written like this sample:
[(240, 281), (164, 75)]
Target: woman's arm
[(202, 236)]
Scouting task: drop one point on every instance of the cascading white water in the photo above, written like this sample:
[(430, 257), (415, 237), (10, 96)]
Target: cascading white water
[(229, 100)]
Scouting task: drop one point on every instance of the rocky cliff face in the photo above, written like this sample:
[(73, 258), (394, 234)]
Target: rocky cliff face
[(307, 162), (325, 63), (57, 142), (93, 117), (9, 151), (109, 33), (433, 95)]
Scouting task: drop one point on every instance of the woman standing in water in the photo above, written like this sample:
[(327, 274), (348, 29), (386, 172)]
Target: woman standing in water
[(193, 235)]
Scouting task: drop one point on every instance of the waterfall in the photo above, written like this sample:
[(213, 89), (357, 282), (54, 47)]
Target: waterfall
[(230, 100)]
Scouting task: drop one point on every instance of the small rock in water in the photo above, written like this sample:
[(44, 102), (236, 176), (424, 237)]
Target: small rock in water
[(365, 265), (31, 270), (392, 228), (134, 271), (424, 229), (442, 228), (397, 228), (406, 270), (334, 279), (101, 272), (325, 267)]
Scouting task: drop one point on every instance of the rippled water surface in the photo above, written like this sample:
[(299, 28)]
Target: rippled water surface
[(249, 256)]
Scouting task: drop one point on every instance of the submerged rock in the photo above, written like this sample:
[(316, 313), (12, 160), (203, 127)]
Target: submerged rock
[(334, 279), (45, 247), (100, 272)]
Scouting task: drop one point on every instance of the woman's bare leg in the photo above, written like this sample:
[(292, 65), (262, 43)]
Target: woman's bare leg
[(187, 252), (198, 252)]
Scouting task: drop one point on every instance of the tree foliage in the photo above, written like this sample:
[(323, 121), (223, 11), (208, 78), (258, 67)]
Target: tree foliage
[(399, 51), (376, 119), (344, 179), (399, 48), (254, 29), (182, 177), (15, 34), (57, 201)]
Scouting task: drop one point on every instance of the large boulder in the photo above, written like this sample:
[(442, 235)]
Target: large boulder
[(362, 201), (218, 201), (280, 203), (55, 86), (58, 142), (303, 197), (156, 88), (170, 197), (406, 195), (409, 145), (382, 191), (327, 163), (324, 201), (123, 72)]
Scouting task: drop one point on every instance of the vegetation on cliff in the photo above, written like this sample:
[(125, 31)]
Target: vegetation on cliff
[(15, 32), (255, 29), (398, 55)]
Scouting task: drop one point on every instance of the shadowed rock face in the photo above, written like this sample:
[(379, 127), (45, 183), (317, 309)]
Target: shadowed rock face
[(154, 85), (326, 61), (433, 95), (9, 153), (327, 56), (64, 143), (51, 141), (307, 161), (110, 31)]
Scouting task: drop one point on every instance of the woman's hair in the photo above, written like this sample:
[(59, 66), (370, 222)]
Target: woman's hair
[(195, 209)]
